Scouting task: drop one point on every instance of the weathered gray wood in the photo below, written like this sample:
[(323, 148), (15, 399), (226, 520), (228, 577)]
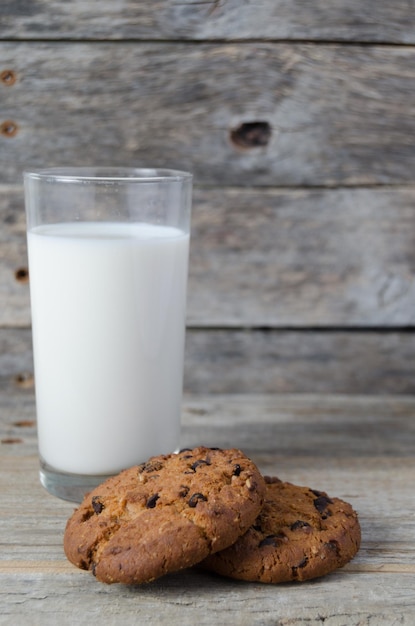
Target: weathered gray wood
[(303, 258), (330, 114), (359, 448), (14, 285), (372, 20), (16, 357), (269, 257), (246, 361), (290, 361)]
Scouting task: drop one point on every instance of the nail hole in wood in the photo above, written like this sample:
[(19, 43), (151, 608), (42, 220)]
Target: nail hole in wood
[(24, 423), (11, 440), (251, 135), (8, 77), (24, 380), (22, 275), (8, 128)]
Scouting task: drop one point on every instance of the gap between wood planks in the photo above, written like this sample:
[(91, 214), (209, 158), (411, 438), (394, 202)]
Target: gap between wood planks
[(221, 41), (304, 329)]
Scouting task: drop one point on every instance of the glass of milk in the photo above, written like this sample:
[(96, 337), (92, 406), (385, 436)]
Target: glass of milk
[(108, 261)]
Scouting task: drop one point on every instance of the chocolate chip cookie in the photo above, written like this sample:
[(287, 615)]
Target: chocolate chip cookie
[(164, 515), (299, 534)]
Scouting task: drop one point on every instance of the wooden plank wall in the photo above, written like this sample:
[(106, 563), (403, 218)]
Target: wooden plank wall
[(298, 121)]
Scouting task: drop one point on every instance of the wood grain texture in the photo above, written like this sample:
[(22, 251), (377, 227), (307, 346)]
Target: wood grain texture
[(361, 449), (336, 115), (372, 20), (303, 258), (257, 361), (272, 258), (289, 361), (301, 277), (14, 285)]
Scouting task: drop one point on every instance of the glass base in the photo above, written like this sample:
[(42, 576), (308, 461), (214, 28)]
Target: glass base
[(72, 487)]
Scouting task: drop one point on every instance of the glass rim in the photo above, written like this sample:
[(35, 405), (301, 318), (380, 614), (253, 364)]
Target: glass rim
[(107, 174)]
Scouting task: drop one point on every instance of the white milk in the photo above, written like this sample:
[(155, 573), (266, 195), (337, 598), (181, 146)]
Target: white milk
[(108, 309)]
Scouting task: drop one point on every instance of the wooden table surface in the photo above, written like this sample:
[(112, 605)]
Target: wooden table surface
[(359, 448)]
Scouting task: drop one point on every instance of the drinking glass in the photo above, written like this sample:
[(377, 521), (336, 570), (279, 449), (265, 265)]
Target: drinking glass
[(108, 262)]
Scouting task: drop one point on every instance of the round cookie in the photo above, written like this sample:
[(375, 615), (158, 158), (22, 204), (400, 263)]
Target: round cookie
[(299, 534), (164, 515)]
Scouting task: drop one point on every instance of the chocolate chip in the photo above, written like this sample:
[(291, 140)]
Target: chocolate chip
[(321, 503), (271, 540), (185, 450), (194, 499), (333, 546), (237, 469), (151, 502), (184, 490), (301, 565), (299, 524), (200, 462), (97, 505)]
